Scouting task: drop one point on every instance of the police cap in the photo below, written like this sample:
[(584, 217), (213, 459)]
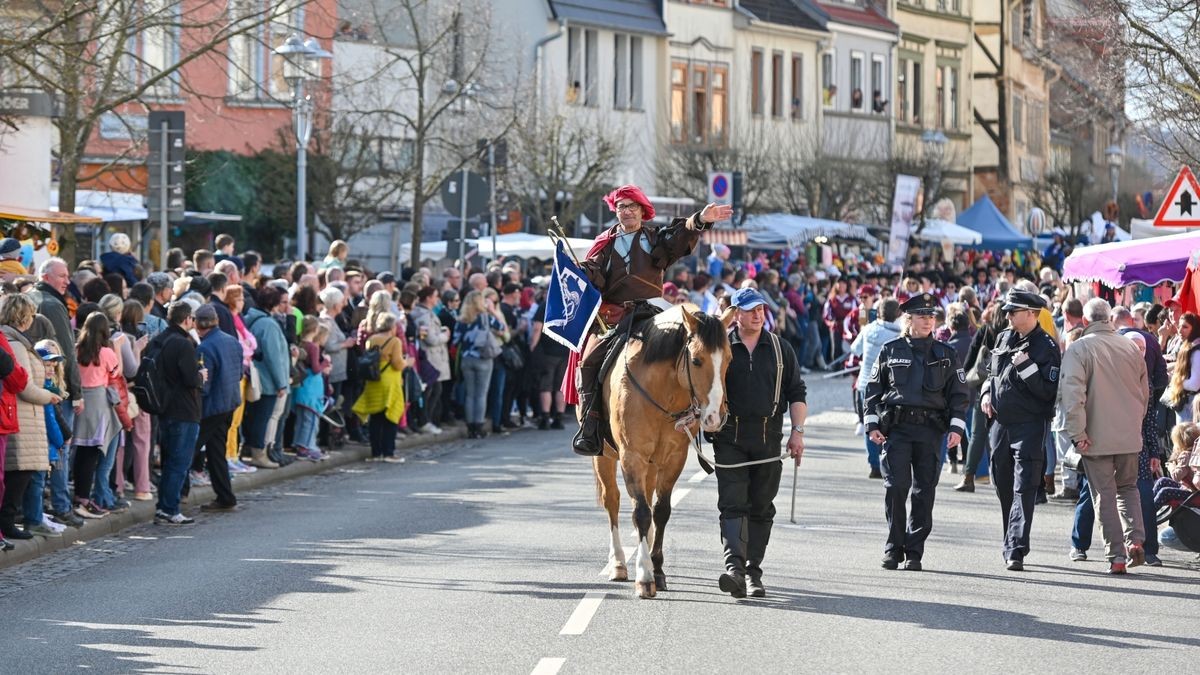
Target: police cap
[(921, 303), (1016, 300)]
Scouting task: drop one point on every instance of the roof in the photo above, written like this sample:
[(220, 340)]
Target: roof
[(865, 17), (638, 16), (22, 214), (795, 13), (998, 233)]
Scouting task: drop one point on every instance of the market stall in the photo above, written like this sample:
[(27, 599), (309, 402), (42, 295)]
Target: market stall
[(937, 231), (1137, 261), (784, 230), (998, 234), (35, 229)]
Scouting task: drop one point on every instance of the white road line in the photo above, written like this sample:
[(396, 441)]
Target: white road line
[(548, 666), (698, 476), (678, 495), (583, 614)]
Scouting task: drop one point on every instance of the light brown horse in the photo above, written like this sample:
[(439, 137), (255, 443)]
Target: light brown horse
[(673, 376)]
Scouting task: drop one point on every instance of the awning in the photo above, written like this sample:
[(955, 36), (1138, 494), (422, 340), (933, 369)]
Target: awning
[(728, 237), (784, 230), (515, 245), (998, 233), (20, 214), (940, 230), (128, 207), (1144, 261)]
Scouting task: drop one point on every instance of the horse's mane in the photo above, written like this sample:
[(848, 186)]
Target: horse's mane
[(663, 337)]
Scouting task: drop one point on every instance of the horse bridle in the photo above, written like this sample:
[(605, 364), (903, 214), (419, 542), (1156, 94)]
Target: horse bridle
[(682, 418)]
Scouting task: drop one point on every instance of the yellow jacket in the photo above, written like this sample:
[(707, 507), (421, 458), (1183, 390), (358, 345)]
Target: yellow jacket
[(385, 395)]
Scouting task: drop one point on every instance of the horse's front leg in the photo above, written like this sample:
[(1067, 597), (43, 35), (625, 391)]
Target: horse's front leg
[(609, 493), (640, 481)]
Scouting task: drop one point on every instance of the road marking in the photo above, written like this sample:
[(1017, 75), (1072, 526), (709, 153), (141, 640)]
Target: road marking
[(678, 496), (583, 614), (698, 476), (548, 666)]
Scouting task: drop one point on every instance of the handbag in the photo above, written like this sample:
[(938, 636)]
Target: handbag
[(511, 356), (254, 389), (1169, 401), (1072, 459), (487, 344)]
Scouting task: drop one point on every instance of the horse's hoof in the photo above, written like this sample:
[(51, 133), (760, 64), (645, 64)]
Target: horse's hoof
[(660, 582), (619, 574), (644, 589)]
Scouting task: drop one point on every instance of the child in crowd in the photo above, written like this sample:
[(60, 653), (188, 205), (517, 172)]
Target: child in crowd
[(36, 520), (310, 393), (1184, 465)]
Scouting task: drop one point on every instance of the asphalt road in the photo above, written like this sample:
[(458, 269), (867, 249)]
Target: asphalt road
[(478, 556)]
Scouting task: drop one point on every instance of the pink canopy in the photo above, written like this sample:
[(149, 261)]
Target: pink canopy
[(1140, 261)]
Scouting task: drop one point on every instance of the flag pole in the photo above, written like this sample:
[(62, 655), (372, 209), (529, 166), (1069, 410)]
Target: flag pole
[(558, 234)]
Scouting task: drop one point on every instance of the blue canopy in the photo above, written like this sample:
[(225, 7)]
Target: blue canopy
[(998, 233)]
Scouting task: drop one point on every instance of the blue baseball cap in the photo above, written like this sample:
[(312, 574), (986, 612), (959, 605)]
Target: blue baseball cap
[(747, 299)]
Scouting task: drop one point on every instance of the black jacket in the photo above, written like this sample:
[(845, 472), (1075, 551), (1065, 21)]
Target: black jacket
[(750, 380), (917, 373), (1025, 394), (181, 370)]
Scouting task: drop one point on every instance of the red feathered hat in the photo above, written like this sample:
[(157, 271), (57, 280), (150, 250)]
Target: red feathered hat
[(630, 192)]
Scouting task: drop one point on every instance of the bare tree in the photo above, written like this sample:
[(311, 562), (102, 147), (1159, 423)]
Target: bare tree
[(1067, 195), (562, 163), (815, 181), (684, 169), (98, 57)]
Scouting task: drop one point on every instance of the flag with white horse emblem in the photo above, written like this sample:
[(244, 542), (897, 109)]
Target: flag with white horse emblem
[(572, 303)]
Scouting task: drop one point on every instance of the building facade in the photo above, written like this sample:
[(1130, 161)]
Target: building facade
[(855, 79)]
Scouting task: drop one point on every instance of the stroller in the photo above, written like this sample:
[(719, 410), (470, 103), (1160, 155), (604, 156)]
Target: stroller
[(1184, 518)]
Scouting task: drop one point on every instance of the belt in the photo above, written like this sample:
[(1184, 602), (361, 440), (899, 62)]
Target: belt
[(914, 415)]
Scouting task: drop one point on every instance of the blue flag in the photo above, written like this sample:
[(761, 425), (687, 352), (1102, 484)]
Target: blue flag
[(572, 303)]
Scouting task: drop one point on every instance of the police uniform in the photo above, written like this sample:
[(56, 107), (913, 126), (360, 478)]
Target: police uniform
[(1022, 399), (916, 393), (760, 387)]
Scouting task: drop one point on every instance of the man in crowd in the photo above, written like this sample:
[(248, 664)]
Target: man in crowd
[(161, 283), (180, 421), (762, 382), (222, 357), (1018, 397), (1104, 394), (50, 294), (216, 299)]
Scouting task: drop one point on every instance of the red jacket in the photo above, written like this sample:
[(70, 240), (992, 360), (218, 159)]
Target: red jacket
[(14, 382)]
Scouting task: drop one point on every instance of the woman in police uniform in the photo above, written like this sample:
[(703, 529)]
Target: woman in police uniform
[(916, 393)]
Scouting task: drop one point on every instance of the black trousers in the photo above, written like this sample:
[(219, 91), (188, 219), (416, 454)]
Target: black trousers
[(1018, 465), (749, 492), (433, 403), (214, 430), (87, 458), (15, 484), (909, 463), (383, 435)]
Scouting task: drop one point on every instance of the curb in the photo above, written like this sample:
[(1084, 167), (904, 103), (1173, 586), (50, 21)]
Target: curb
[(143, 512)]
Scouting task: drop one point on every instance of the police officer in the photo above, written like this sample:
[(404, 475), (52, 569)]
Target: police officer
[(915, 394), (762, 382), (1018, 399)]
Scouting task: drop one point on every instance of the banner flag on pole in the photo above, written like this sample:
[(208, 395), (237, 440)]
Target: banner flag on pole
[(572, 303)]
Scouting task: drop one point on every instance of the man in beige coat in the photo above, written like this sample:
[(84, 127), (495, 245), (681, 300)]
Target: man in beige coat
[(1103, 396)]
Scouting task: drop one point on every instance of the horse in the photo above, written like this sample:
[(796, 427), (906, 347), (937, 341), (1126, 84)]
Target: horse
[(666, 382)]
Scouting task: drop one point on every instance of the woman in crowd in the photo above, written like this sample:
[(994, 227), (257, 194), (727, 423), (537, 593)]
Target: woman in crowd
[(381, 404), (336, 345), (133, 317), (273, 363), (128, 357), (1185, 380), (478, 315), (97, 424), (27, 456), (236, 300)]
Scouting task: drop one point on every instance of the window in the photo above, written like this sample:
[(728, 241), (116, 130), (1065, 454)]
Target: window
[(828, 88), (797, 87), (756, 82), (627, 72), (1016, 26), (255, 71), (952, 101), (1036, 116), (582, 63), (154, 49), (1018, 119), (915, 117), (777, 84), (939, 87), (856, 81), (699, 103), (902, 91), (635, 73), (878, 103)]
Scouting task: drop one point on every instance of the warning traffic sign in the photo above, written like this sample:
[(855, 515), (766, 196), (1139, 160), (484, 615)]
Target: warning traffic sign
[(1181, 207)]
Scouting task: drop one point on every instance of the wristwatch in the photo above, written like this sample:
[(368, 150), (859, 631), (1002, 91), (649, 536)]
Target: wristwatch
[(798, 430)]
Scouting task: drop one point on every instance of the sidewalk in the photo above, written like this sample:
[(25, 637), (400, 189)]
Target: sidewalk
[(143, 512)]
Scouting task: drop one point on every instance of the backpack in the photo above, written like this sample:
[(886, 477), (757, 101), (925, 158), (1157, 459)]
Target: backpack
[(150, 384), (368, 364)]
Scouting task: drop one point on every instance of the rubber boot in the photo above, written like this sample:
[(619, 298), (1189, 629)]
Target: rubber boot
[(733, 537), (967, 484), (587, 439), (258, 458), (759, 533)]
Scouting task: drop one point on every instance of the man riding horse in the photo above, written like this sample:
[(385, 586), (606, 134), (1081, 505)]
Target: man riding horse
[(626, 264)]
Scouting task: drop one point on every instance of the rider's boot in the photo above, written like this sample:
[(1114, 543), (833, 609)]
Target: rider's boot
[(759, 533), (733, 536), (587, 439)]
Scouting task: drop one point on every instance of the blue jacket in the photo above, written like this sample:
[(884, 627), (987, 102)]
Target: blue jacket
[(272, 359), (868, 344), (223, 357), (120, 263)]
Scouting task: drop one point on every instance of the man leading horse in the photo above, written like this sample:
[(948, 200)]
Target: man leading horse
[(626, 264)]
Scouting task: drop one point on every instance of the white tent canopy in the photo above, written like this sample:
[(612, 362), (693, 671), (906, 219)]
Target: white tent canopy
[(515, 245), (941, 230), (784, 230)]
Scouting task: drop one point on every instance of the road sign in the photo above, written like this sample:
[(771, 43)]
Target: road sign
[(165, 164), (720, 187), (1181, 206), (477, 194)]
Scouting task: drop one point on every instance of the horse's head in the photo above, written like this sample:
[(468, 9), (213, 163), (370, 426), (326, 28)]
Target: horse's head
[(707, 355)]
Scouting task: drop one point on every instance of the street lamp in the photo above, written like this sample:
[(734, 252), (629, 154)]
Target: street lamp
[(302, 62), (1116, 159)]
